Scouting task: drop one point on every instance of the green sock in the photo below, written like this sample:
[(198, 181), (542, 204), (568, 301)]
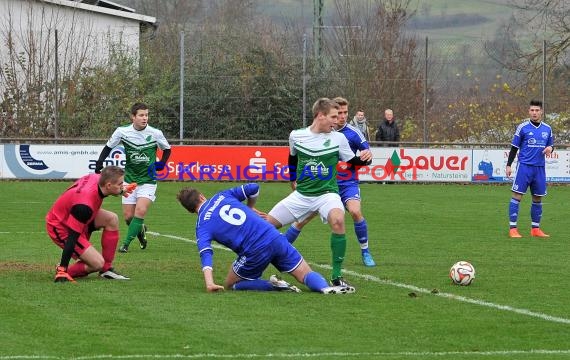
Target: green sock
[(134, 228), (338, 247)]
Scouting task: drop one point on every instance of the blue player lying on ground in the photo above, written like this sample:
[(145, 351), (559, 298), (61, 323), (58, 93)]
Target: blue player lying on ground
[(226, 220)]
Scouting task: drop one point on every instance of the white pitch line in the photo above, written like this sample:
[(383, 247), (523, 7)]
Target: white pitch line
[(417, 289), (455, 297), (23, 232), (298, 355)]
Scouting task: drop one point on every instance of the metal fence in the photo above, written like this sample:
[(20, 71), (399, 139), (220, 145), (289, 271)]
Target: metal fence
[(430, 90), (235, 89)]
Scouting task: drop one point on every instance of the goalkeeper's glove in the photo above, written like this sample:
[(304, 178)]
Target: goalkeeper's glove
[(128, 189)]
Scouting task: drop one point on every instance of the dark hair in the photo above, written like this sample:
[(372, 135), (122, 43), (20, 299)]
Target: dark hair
[(323, 105), (110, 174), (189, 198), (138, 106), (535, 102)]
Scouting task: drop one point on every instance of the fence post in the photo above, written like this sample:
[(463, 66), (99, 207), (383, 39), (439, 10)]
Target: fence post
[(544, 78), (181, 86), (425, 89), (304, 80), (56, 90)]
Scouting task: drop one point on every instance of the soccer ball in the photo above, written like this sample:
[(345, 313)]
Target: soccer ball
[(462, 273)]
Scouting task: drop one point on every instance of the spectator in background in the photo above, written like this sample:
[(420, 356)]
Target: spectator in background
[(388, 130), (360, 122)]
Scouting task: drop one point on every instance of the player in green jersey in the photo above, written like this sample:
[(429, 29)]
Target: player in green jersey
[(313, 156), (141, 142)]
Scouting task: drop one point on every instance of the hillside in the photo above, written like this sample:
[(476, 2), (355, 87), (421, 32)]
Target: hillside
[(441, 19), (453, 19), (438, 19)]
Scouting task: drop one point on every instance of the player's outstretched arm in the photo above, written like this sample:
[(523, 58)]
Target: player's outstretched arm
[(211, 286), (99, 163)]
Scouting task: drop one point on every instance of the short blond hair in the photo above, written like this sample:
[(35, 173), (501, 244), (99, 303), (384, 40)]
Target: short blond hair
[(323, 105), (110, 174)]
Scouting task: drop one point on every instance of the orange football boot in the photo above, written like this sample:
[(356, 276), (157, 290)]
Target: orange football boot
[(514, 233), (536, 232)]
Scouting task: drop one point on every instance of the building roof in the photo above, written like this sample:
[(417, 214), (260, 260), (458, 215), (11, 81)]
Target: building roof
[(105, 7)]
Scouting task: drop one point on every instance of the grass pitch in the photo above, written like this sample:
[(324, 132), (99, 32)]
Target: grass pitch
[(405, 308)]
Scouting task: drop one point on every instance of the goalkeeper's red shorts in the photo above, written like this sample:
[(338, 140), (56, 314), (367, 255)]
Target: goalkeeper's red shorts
[(59, 237)]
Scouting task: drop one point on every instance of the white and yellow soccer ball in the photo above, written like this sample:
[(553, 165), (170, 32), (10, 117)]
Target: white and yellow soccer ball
[(462, 273)]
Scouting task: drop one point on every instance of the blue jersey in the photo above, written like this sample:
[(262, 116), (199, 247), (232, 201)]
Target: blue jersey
[(226, 220), (531, 141), (357, 141)]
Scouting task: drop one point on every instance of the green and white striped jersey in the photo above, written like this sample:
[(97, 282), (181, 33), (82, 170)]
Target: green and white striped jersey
[(318, 156), (140, 151)]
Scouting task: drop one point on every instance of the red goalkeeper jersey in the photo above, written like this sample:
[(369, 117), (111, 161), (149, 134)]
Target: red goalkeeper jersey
[(77, 207)]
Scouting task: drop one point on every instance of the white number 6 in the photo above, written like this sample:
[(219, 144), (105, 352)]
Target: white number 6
[(231, 215)]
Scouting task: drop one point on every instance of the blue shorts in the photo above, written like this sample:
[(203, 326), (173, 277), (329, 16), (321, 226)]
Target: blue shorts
[(349, 192), (533, 176), (251, 264)]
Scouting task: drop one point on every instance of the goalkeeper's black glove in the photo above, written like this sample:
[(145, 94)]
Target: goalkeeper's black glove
[(98, 167)]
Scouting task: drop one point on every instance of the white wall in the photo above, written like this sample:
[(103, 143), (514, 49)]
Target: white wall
[(84, 32)]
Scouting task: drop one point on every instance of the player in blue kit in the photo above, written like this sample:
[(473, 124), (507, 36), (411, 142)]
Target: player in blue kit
[(534, 141), (348, 185), (226, 220)]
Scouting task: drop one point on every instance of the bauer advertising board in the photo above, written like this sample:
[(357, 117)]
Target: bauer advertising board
[(418, 165), (269, 163)]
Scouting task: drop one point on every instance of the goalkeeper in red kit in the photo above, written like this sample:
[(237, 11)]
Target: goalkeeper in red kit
[(76, 214)]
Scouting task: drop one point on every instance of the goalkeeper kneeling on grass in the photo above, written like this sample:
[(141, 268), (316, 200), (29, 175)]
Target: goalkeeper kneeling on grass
[(226, 220), (76, 214)]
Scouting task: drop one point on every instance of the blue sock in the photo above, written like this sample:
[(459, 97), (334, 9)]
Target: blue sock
[(361, 231), (315, 281), (536, 213), (292, 234), (513, 212), (255, 285)]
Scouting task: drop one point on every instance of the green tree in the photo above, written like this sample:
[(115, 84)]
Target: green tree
[(242, 81)]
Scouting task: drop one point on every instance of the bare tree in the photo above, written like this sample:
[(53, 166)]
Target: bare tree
[(535, 21), (46, 87), (28, 68), (374, 59)]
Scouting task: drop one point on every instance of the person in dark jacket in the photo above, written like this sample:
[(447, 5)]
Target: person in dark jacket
[(388, 130)]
